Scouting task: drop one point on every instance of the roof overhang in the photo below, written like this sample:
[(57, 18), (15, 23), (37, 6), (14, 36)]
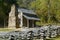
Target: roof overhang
[(26, 11), (31, 18)]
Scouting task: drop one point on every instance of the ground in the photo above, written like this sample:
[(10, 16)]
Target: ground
[(7, 29), (57, 38)]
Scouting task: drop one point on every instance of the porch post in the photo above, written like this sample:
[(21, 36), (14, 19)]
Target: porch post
[(27, 23), (33, 23), (21, 19)]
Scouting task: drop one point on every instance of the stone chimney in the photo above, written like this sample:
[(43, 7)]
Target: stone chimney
[(12, 17)]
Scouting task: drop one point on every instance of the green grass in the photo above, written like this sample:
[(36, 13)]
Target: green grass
[(5, 29), (57, 38), (39, 23), (3, 39)]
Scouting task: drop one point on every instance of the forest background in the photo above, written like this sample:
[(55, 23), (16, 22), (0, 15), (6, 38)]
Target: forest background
[(47, 10)]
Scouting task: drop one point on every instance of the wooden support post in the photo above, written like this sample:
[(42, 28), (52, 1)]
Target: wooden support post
[(21, 20), (27, 23), (33, 23)]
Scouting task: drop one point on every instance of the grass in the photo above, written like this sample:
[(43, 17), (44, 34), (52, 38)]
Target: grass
[(57, 38), (5, 29), (39, 23)]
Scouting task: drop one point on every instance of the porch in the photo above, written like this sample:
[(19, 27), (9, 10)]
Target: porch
[(30, 21)]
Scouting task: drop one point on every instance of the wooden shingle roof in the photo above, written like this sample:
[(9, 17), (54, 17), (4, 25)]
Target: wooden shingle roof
[(26, 11), (28, 14)]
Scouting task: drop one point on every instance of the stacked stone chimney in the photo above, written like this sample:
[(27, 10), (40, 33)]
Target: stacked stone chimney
[(12, 17)]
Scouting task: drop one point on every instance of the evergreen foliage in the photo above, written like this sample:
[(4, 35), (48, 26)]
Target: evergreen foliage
[(46, 14)]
